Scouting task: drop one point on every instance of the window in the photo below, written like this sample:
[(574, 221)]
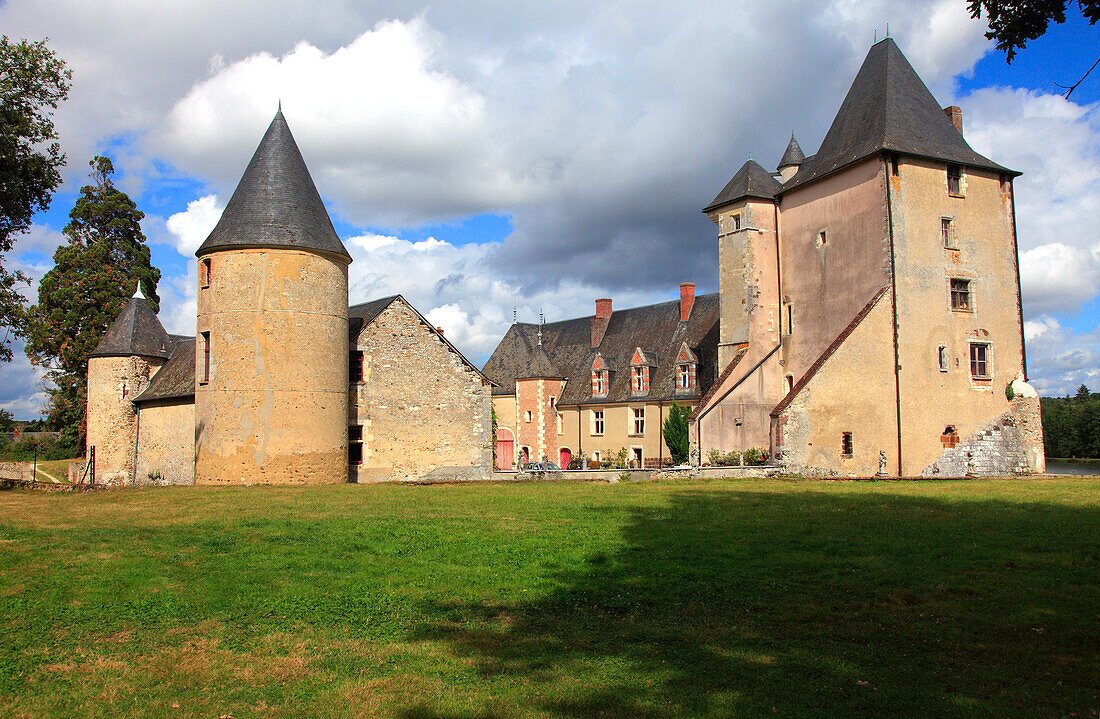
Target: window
[(954, 180), (552, 401), (561, 423), (527, 416), (947, 233), (950, 438), (204, 272), (846, 444), (639, 379), (960, 294), (821, 238), (790, 319), (790, 383), (685, 377), (599, 381), (597, 421), (355, 444), (205, 357), (979, 360), (942, 358), (355, 367), (639, 421), (735, 222), (894, 168)]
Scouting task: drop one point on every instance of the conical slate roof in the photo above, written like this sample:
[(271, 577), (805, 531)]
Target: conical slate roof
[(136, 331), (888, 108), (792, 156), (751, 180), (539, 364), (276, 203)]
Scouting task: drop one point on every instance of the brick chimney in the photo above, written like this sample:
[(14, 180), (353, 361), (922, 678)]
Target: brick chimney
[(955, 115), (599, 322), (687, 299)]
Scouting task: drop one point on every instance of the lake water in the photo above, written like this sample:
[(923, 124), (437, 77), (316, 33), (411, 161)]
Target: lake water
[(1064, 468)]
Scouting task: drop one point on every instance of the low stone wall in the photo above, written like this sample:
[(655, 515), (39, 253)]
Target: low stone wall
[(16, 471), (996, 449)]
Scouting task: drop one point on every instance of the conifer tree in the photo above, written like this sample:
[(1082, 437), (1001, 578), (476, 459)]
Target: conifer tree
[(676, 433), (93, 277)]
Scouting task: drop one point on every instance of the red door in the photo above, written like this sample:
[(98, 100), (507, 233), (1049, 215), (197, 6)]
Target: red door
[(566, 455), (506, 449)]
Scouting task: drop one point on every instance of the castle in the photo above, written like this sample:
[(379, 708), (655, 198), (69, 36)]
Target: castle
[(868, 323), (868, 318), (283, 383)]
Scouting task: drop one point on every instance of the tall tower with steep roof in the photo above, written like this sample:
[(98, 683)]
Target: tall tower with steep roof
[(271, 352)]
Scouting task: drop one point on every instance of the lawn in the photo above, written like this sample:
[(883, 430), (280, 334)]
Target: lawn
[(659, 599)]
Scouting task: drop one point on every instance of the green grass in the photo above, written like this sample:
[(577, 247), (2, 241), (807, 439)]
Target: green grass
[(662, 599)]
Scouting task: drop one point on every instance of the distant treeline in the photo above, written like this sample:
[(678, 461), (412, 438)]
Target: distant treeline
[(1071, 425)]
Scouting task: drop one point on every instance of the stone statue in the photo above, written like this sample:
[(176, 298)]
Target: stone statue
[(882, 463), (693, 455)]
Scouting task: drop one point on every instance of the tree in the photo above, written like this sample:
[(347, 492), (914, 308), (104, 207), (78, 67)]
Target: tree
[(1013, 22), (93, 277), (676, 433), (1082, 394), (32, 83)]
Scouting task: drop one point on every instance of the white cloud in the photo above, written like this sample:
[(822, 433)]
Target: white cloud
[(1061, 359), (191, 227)]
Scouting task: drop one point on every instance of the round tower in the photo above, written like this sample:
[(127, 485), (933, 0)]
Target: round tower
[(119, 369), (271, 364)]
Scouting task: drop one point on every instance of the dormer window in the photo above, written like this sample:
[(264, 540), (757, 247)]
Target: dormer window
[(639, 379), (600, 377), (686, 362)]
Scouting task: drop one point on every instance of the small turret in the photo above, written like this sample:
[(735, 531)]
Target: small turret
[(792, 159)]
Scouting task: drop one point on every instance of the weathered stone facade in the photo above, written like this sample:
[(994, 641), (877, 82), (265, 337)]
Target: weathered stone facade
[(423, 410), (166, 443), (113, 383)]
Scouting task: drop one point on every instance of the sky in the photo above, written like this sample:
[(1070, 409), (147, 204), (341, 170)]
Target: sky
[(485, 158)]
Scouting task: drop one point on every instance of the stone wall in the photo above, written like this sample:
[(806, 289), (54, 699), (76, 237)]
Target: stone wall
[(423, 410), (113, 382), (166, 443)]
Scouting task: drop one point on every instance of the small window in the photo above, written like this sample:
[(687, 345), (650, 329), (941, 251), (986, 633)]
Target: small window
[(950, 438), (527, 416), (846, 444), (355, 444), (355, 367), (685, 377), (553, 399), (821, 238), (639, 379), (979, 360), (639, 421), (597, 421), (204, 272), (205, 357), (942, 358), (561, 423), (735, 221), (960, 295), (954, 180), (895, 170), (790, 319), (790, 383), (947, 234), (599, 382)]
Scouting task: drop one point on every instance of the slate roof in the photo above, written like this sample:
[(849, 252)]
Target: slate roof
[(136, 331), (657, 329), (276, 203), (888, 108), (176, 379), (361, 315), (792, 155), (539, 364), (751, 180)]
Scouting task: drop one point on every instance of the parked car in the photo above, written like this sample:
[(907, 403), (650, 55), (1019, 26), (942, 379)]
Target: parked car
[(576, 464), (541, 467)]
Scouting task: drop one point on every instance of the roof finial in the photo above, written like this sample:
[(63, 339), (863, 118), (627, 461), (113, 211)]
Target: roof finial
[(876, 36), (542, 319), (515, 311), (137, 292), (280, 109), (887, 30)]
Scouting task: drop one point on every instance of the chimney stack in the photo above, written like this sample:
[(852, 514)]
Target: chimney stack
[(599, 322), (955, 115), (687, 299)]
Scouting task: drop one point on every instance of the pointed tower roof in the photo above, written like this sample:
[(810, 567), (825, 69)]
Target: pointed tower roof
[(136, 331), (539, 364), (276, 203), (792, 156), (889, 108), (751, 180)]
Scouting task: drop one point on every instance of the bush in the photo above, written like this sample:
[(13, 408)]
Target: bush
[(47, 448)]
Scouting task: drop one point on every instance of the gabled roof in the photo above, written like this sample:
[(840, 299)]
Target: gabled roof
[(568, 345), (792, 156), (176, 379), (888, 108), (136, 331), (751, 180), (276, 203)]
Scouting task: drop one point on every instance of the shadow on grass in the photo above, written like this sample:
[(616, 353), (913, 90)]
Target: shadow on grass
[(805, 604)]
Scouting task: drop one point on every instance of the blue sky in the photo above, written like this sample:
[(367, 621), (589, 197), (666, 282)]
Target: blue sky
[(540, 155)]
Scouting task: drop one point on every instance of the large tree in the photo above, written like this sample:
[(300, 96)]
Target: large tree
[(93, 277), (676, 433), (1012, 23), (32, 82)]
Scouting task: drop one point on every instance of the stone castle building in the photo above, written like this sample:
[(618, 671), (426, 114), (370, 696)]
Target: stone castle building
[(868, 318), (283, 381), (870, 298)]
